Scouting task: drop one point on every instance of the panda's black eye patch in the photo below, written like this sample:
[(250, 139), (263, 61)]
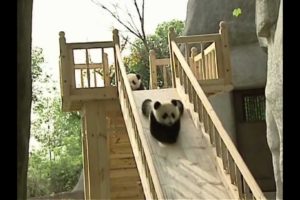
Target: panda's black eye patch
[(133, 82), (165, 116), (173, 115)]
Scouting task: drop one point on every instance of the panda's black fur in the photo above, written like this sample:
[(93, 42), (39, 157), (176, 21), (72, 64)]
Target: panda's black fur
[(164, 119), (135, 81)]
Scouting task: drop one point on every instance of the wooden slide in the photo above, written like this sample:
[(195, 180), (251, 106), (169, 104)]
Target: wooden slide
[(186, 169)]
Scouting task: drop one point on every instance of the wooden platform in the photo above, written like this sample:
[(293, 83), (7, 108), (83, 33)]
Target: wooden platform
[(186, 169)]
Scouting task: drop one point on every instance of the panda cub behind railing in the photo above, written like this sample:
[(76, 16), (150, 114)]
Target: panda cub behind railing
[(164, 119), (135, 81)]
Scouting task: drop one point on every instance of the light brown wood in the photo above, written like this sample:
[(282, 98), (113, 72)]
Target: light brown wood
[(105, 69), (171, 37), (85, 158), (226, 52), (65, 71), (162, 61), (219, 127), (129, 121), (97, 145), (153, 70), (197, 38), (91, 66), (185, 169), (90, 45), (85, 94)]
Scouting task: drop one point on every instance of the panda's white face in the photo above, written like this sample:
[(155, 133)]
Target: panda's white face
[(167, 113), (134, 80)]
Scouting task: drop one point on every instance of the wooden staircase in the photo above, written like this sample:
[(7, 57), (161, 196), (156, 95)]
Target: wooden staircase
[(125, 182)]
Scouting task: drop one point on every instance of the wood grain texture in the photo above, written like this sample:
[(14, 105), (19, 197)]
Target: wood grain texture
[(186, 169)]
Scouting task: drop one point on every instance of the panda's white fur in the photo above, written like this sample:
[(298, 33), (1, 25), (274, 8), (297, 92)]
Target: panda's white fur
[(164, 119), (135, 81)]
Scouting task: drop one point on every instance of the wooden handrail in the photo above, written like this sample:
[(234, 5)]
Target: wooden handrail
[(149, 177), (209, 118)]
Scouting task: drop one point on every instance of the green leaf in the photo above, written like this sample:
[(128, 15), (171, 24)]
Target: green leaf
[(237, 12)]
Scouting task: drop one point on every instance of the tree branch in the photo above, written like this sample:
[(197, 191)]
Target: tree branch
[(118, 19)]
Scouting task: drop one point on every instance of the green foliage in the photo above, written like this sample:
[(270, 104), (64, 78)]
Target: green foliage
[(138, 60), (237, 12), (37, 72), (55, 166)]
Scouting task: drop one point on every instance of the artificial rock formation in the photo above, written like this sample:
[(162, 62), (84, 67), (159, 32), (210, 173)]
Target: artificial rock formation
[(269, 30), (248, 59)]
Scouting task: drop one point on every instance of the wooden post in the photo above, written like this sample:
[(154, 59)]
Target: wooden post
[(204, 66), (87, 62), (97, 150), (116, 40), (226, 52), (65, 73), (85, 158), (105, 69), (171, 37), (153, 70), (194, 65)]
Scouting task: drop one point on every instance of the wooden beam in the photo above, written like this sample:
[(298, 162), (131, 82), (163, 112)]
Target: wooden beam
[(85, 94), (153, 70), (197, 38), (85, 158), (97, 154), (90, 45)]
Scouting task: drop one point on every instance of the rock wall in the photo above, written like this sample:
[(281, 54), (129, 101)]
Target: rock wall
[(269, 30)]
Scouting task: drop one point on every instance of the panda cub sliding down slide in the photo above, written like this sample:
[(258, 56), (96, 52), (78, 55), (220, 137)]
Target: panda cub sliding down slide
[(164, 119)]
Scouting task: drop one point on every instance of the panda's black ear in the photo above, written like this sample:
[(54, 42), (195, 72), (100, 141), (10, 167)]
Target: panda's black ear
[(138, 76), (157, 104), (174, 102)]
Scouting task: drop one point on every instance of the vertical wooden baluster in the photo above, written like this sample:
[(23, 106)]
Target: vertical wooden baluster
[(247, 192), (238, 178), (87, 67), (218, 144), (231, 169)]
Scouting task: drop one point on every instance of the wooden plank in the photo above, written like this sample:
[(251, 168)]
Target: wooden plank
[(64, 68), (97, 145), (131, 172), (119, 139), (86, 94), (238, 178), (247, 193), (153, 70), (162, 61), (86, 180), (91, 66), (87, 62), (165, 77), (197, 38), (123, 155), (71, 69), (226, 52), (90, 45), (106, 72), (122, 163)]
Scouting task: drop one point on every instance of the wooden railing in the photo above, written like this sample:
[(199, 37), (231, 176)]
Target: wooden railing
[(159, 68), (148, 175), (80, 79), (234, 168), (211, 66)]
